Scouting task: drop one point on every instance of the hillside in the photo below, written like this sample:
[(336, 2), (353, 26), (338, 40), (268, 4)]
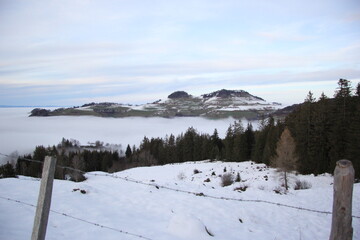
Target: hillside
[(219, 104), (177, 202)]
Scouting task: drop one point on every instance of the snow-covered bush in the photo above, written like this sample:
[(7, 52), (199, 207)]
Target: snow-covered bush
[(181, 176), (280, 190), (302, 185), (241, 188), (227, 179)]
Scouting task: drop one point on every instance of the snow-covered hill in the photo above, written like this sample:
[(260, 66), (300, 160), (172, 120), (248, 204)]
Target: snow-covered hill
[(151, 208), (220, 104)]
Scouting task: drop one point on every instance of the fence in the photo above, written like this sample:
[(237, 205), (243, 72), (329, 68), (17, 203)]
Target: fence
[(341, 221)]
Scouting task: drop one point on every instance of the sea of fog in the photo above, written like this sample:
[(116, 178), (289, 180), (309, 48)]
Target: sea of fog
[(20, 133)]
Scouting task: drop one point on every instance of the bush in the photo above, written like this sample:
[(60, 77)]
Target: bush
[(227, 179), (77, 177), (238, 178), (196, 171), (241, 188), (280, 190), (302, 185), (181, 176)]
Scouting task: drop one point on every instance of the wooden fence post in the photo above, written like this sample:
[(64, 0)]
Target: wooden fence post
[(44, 200), (341, 226)]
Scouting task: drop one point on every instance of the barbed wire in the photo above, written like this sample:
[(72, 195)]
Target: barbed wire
[(79, 219), (200, 194)]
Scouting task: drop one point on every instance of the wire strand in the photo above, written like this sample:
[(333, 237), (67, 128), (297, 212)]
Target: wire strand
[(80, 219)]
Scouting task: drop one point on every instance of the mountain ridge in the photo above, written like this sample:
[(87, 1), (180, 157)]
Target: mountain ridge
[(218, 104)]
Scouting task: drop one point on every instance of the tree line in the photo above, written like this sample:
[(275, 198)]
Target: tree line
[(324, 131)]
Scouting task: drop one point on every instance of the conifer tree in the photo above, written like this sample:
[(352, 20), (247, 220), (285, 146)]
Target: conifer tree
[(217, 145), (260, 141), (128, 151), (270, 142), (340, 122), (285, 158), (250, 141), (229, 143), (7, 170)]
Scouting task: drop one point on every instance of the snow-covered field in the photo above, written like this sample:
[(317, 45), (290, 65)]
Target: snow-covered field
[(22, 133), (161, 213)]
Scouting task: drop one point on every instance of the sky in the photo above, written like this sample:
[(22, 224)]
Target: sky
[(71, 52)]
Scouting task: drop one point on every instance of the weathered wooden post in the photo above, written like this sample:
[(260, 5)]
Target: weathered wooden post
[(341, 226), (44, 200)]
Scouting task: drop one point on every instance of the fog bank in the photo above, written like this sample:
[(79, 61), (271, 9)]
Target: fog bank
[(22, 133)]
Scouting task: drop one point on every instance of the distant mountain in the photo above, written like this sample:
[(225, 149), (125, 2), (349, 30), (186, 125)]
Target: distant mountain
[(219, 104), (223, 93), (179, 94)]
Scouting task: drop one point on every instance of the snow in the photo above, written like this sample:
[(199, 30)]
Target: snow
[(22, 133), (161, 213), (249, 107), (88, 109)]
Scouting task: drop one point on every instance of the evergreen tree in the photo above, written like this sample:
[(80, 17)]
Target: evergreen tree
[(352, 151), (321, 160), (250, 141), (229, 144), (323, 97), (206, 147), (239, 142), (270, 143), (35, 169), (260, 141), (189, 144), (344, 89), (171, 146), (7, 170), (128, 151), (310, 97), (217, 145), (341, 120)]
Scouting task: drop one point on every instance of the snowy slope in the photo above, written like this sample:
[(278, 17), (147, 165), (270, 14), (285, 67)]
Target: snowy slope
[(161, 213)]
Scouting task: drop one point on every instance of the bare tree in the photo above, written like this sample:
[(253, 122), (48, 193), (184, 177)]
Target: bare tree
[(285, 159), (79, 164)]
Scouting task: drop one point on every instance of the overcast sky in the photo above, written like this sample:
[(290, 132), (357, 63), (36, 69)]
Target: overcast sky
[(70, 52)]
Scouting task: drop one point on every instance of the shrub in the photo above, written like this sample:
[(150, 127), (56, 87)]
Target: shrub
[(196, 171), (302, 185), (238, 178), (181, 176), (227, 179), (241, 188), (279, 190), (77, 177)]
